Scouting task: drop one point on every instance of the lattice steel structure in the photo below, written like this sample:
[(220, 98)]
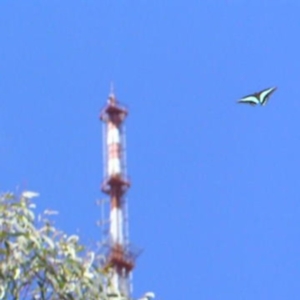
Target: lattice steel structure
[(120, 258)]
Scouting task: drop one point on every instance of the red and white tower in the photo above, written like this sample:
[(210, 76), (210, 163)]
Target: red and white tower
[(120, 259)]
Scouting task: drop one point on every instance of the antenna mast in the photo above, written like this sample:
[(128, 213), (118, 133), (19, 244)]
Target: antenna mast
[(119, 258)]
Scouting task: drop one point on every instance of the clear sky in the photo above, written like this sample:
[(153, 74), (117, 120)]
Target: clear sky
[(215, 200)]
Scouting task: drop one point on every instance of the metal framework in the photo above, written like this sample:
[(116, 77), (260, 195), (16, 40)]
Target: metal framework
[(120, 258)]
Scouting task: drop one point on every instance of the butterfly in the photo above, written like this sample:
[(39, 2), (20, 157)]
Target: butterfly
[(258, 98)]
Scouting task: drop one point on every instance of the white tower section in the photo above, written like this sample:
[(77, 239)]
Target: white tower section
[(114, 149)]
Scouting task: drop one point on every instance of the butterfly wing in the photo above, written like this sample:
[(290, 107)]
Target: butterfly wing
[(251, 99), (265, 95)]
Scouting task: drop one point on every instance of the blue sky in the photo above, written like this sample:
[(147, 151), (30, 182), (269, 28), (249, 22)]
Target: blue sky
[(215, 185)]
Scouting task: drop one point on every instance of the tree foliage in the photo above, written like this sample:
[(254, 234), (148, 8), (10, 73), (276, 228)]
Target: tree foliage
[(37, 261)]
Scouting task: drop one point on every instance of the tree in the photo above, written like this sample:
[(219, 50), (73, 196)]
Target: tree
[(37, 261)]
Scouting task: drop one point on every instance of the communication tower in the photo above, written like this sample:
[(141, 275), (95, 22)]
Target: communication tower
[(120, 257)]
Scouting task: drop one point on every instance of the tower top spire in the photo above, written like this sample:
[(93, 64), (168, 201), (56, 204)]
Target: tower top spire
[(112, 98), (112, 88)]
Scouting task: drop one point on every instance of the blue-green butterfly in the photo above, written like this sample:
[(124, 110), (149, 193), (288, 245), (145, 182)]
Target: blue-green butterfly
[(258, 98)]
